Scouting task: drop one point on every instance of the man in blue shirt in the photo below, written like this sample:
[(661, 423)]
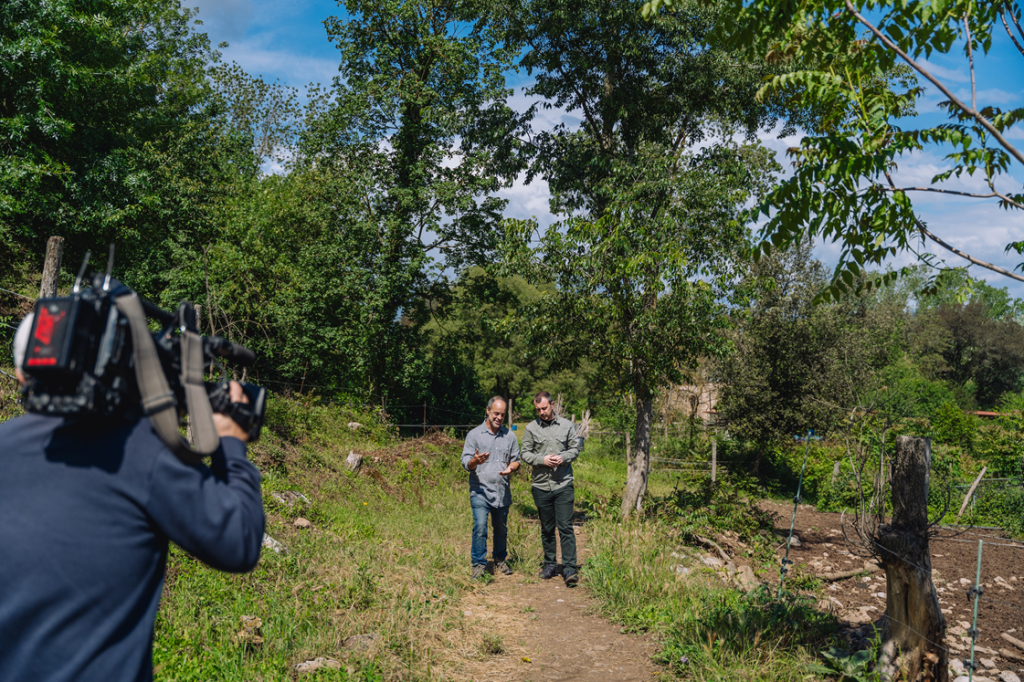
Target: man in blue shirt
[(490, 455), (87, 508)]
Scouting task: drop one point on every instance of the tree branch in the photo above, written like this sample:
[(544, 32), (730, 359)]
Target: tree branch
[(966, 256), (995, 194), (843, 575), (970, 58), (982, 121), (1002, 14), (939, 191), (941, 242), (1013, 16)]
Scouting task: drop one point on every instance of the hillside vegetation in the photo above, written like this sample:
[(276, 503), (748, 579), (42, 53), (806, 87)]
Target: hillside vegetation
[(386, 554)]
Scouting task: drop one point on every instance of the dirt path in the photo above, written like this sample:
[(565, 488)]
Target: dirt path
[(548, 632)]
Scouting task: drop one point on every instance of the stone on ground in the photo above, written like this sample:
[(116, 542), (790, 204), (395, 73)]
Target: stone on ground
[(289, 497), (316, 664), (271, 543), (354, 461), (367, 642)]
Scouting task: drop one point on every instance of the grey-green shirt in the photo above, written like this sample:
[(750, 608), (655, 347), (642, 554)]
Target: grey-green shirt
[(557, 437)]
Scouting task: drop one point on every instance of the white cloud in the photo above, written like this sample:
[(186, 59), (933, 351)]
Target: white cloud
[(257, 58), (944, 74), (988, 96), (224, 19), (1015, 133), (528, 201)]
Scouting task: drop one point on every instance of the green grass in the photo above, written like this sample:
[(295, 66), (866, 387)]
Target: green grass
[(707, 630), (389, 554), (10, 392)]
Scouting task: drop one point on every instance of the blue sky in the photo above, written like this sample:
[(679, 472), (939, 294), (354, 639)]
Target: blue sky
[(286, 40)]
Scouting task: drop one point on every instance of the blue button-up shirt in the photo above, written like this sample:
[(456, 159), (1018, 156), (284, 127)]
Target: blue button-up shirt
[(486, 480)]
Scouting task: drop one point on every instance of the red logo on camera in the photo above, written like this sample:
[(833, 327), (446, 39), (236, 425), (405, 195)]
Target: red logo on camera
[(46, 324)]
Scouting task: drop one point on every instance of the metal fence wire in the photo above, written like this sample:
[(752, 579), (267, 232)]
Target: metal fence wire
[(988, 497)]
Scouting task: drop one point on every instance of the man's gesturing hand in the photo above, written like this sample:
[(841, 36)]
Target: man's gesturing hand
[(478, 458), (225, 425), (553, 461)]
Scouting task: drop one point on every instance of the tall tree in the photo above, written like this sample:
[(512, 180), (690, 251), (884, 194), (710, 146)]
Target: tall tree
[(983, 351), (103, 132), (800, 363), (642, 270), (642, 289), (420, 120)]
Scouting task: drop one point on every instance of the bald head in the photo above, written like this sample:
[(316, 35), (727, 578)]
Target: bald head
[(21, 344)]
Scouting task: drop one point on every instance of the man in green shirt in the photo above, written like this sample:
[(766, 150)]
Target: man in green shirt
[(549, 446)]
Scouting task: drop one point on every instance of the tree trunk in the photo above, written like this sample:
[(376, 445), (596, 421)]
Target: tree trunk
[(914, 628), (638, 467)]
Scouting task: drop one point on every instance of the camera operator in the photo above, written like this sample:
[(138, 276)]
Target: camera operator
[(87, 507)]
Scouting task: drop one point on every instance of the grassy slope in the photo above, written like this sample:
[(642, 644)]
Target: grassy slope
[(389, 554)]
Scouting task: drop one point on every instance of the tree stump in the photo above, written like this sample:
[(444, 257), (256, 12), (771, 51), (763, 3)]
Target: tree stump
[(914, 628)]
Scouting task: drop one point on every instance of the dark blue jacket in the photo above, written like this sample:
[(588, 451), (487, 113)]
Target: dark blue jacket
[(86, 510)]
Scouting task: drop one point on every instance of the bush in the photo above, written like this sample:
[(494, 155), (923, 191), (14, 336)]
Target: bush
[(953, 426), (1011, 514)]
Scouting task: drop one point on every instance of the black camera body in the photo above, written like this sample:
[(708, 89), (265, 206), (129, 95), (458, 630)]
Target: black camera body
[(80, 358)]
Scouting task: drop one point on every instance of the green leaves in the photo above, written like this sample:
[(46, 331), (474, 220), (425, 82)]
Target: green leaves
[(650, 276), (846, 185), (99, 101)]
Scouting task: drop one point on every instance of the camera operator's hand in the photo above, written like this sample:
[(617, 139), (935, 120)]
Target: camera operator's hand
[(225, 425)]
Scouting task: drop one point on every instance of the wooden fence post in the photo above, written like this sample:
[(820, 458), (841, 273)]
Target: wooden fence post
[(51, 267), (714, 459)]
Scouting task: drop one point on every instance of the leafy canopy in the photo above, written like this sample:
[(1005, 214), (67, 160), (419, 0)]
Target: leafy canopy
[(865, 61)]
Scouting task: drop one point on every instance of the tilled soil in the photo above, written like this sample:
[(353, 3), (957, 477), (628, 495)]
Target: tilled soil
[(861, 600), (548, 632)]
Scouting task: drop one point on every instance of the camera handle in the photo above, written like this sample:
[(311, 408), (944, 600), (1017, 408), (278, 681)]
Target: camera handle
[(158, 400)]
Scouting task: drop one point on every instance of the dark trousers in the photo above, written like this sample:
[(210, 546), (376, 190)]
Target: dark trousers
[(555, 510)]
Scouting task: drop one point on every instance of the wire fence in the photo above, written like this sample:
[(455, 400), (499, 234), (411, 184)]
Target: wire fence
[(987, 499), (15, 293)]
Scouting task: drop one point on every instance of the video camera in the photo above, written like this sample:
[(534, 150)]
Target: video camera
[(92, 353)]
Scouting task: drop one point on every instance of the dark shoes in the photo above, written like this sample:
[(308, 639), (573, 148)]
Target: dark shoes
[(550, 571), (572, 578), (480, 569)]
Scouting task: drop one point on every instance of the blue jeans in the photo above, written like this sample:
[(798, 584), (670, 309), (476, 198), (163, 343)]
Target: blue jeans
[(499, 519)]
